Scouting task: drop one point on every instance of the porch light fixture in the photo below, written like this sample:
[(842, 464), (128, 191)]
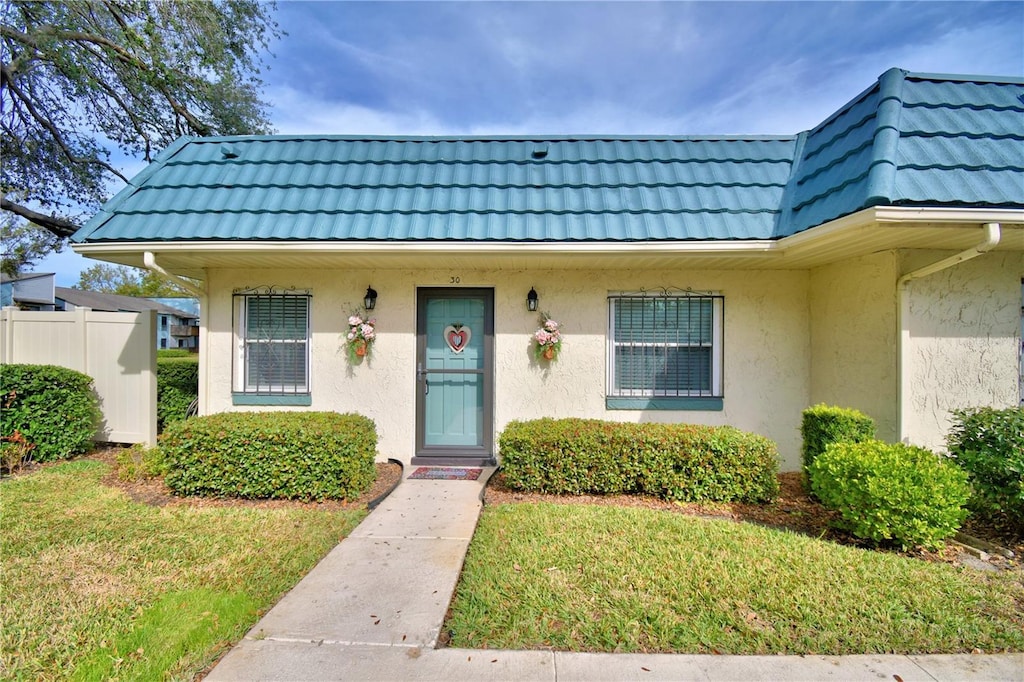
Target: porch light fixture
[(531, 300), (370, 300)]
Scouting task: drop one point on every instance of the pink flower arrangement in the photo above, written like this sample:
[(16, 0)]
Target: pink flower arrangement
[(548, 339), (359, 339)]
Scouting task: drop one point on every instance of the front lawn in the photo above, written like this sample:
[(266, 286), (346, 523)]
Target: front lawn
[(600, 578), (96, 586)]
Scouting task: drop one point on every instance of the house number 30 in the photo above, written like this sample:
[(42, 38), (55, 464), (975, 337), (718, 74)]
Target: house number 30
[(454, 280)]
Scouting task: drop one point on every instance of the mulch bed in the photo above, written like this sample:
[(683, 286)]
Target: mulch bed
[(794, 511), (153, 491)]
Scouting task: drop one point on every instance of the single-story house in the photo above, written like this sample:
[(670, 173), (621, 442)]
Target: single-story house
[(176, 327), (873, 262)]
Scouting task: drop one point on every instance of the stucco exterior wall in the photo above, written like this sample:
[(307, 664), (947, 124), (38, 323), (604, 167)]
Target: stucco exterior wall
[(853, 318), (964, 341), (766, 346)]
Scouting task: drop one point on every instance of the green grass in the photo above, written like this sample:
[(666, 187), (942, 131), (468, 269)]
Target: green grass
[(574, 577), (96, 586)]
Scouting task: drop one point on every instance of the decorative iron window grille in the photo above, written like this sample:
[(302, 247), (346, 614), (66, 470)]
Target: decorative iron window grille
[(665, 344), (272, 330)]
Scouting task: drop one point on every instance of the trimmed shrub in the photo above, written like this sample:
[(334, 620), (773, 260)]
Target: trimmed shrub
[(894, 492), (671, 461), (177, 385), (260, 455), (989, 445), (711, 463), (824, 424), (54, 409)]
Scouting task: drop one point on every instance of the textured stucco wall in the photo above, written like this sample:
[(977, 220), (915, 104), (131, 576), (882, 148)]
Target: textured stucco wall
[(964, 340), (853, 337), (766, 337)]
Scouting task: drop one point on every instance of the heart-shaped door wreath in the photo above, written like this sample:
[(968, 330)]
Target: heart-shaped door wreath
[(457, 337)]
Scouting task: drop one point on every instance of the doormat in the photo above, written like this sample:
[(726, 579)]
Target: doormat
[(446, 474)]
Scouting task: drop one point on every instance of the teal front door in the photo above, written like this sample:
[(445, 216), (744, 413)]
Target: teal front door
[(455, 376)]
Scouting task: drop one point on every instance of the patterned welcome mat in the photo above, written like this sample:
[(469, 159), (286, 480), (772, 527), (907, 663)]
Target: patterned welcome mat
[(446, 474)]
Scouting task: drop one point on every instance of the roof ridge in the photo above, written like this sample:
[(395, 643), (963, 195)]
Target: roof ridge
[(964, 78), (327, 137), (881, 182)]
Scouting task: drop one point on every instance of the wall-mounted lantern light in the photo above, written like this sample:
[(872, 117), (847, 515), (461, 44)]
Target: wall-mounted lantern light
[(370, 300), (531, 300)]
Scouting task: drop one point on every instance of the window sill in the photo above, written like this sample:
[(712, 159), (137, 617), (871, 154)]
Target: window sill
[(660, 403), (303, 399)]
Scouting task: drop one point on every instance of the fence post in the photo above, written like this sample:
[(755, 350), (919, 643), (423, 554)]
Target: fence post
[(82, 327), (148, 321), (8, 332)]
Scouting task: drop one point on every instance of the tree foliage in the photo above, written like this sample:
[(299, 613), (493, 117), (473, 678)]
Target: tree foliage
[(126, 281), (82, 79), (24, 244)]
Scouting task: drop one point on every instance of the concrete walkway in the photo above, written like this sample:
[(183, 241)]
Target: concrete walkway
[(373, 610)]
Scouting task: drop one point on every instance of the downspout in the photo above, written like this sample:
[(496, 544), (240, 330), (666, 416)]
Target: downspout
[(149, 260), (993, 234)]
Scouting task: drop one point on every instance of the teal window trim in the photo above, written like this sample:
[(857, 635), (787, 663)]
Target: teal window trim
[(303, 399), (642, 403)]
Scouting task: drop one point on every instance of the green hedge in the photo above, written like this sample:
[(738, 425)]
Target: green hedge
[(825, 424), (895, 492), (259, 455), (989, 445), (164, 353), (672, 461), (177, 385), (54, 408)]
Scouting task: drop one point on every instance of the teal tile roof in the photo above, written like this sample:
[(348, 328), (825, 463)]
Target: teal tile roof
[(910, 139)]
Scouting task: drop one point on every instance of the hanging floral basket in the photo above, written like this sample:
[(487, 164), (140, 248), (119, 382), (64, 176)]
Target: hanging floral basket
[(360, 337), (547, 340)]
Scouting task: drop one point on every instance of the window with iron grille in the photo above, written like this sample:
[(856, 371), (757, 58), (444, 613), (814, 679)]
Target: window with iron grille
[(273, 343), (665, 346)]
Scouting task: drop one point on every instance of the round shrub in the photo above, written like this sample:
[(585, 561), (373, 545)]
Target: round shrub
[(260, 455), (894, 492), (989, 445), (54, 408), (825, 424)]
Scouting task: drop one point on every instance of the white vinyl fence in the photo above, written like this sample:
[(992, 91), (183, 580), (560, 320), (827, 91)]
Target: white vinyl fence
[(118, 350)]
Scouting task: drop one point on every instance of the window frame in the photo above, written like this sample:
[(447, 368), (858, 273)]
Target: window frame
[(653, 398), (245, 393)]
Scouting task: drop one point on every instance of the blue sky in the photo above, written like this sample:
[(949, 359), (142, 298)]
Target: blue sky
[(679, 68)]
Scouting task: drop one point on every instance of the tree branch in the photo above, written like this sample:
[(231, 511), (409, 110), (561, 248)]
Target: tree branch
[(58, 226), (52, 129)]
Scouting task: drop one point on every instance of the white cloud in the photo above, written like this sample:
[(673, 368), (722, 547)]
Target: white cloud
[(299, 113)]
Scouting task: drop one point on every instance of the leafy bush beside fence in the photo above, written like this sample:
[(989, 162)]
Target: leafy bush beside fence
[(896, 492), (682, 462), (825, 424), (989, 445), (54, 408), (257, 455), (177, 385)]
